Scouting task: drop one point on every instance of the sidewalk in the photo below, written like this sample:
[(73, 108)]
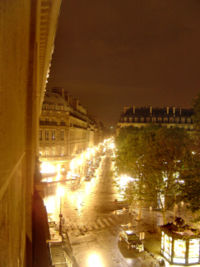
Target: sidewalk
[(60, 249)]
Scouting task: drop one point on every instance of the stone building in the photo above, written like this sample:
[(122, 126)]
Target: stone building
[(26, 43), (65, 127), (168, 116)]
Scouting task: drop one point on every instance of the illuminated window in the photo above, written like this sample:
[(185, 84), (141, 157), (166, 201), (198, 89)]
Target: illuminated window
[(182, 119), (162, 241), (179, 251), (154, 119), (168, 246), (46, 135), (193, 251), (53, 136)]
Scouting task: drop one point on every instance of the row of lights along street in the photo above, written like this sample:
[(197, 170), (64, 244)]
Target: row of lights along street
[(73, 191)]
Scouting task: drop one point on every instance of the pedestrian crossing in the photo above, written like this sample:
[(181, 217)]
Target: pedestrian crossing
[(98, 224)]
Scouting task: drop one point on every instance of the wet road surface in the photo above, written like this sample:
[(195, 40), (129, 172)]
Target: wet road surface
[(90, 220)]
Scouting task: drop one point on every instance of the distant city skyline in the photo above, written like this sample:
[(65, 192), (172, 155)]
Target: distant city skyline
[(111, 55)]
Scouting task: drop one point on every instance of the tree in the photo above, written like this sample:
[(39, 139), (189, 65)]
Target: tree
[(155, 155), (190, 188), (196, 116)]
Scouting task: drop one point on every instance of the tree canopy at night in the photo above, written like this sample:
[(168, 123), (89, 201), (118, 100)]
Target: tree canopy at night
[(155, 156)]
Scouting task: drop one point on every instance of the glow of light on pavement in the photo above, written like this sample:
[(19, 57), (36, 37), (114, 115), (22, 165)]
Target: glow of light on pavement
[(130, 261), (87, 154), (94, 260), (58, 176), (47, 167), (79, 201), (72, 165), (60, 191)]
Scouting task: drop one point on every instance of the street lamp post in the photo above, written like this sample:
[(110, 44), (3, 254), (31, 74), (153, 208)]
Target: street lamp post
[(60, 216), (60, 193)]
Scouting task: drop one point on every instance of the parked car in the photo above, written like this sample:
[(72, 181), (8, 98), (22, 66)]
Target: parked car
[(131, 239)]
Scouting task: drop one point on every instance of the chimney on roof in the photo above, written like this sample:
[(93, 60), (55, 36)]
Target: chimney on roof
[(167, 110), (150, 110), (133, 109), (59, 90), (66, 96)]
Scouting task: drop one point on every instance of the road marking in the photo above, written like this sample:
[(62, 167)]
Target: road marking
[(100, 223), (106, 222), (112, 221), (95, 226)]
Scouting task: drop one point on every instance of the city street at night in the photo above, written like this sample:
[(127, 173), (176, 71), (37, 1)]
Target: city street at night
[(100, 133), (91, 220)]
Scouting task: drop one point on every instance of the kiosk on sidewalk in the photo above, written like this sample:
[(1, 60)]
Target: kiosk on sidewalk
[(180, 244)]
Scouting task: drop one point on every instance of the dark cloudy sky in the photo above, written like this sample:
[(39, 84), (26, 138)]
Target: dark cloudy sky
[(113, 53)]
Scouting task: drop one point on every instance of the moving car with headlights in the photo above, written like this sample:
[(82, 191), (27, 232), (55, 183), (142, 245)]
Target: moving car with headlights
[(131, 239)]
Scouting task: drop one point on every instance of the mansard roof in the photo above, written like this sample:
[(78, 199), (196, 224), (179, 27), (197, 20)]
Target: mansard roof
[(54, 98), (157, 112)]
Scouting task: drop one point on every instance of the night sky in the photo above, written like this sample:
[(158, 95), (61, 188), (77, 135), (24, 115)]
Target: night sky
[(114, 53)]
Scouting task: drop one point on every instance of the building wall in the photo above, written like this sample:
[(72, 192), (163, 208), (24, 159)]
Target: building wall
[(62, 112), (167, 117), (24, 66)]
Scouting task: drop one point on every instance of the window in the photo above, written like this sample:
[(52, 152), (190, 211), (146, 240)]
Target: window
[(46, 135), (62, 135), (168, 246), (40, 134), (179, 251), (182, 119), (193, 251), (165, 119), (147, 119), (53, 136)]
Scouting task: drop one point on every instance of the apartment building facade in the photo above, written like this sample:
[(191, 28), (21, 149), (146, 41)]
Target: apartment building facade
[(65, 127), (169, 117)]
